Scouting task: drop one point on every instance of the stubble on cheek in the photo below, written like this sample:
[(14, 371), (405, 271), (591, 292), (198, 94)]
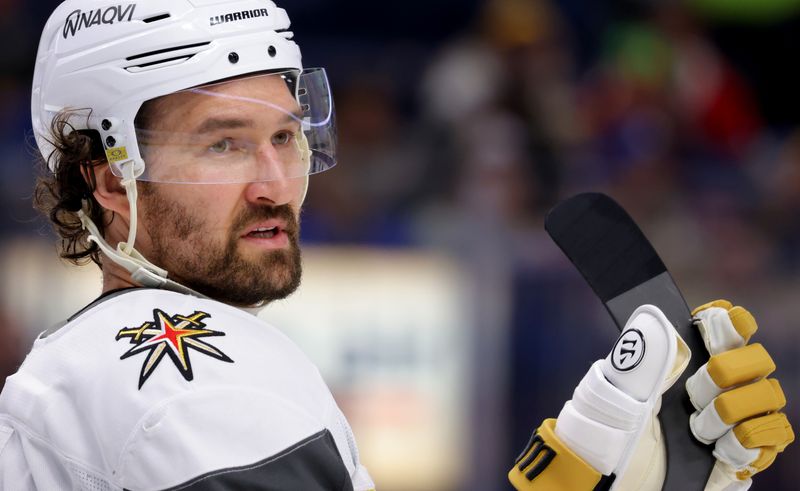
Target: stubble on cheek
[(208, 258)]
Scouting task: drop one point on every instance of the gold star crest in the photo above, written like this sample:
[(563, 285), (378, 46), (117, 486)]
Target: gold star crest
[(172, 336)]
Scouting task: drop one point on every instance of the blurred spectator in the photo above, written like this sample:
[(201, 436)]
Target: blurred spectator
[(367, 199)]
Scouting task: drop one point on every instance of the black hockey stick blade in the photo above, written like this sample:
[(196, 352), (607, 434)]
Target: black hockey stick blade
[(624, 270)]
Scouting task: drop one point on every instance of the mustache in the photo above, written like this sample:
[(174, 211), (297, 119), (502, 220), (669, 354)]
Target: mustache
[(260, 213)]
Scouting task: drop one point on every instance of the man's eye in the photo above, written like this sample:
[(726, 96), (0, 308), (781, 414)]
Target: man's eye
[(221, 146), (282, 138)]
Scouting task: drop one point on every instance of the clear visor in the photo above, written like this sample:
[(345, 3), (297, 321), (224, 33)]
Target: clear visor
[(259, 128)]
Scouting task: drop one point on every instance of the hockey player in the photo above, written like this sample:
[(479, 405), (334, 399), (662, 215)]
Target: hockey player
[(180, 135)]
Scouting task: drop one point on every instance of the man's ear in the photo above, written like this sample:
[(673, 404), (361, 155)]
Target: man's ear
[(108, 190)]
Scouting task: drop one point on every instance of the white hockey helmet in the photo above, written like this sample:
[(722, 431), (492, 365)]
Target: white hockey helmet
[(104, 60)]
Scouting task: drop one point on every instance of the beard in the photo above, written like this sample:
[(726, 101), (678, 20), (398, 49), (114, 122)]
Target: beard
[(182, 243)]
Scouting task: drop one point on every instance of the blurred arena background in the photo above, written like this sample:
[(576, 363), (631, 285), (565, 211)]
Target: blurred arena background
[(445, 321)]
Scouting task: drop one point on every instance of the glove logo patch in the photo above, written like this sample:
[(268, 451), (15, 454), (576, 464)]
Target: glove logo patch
[(628, 351), (173, 336)]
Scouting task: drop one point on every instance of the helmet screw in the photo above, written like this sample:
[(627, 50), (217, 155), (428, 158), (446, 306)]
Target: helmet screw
[(272, 51), (233, 57), (111, 141), (106, 124)]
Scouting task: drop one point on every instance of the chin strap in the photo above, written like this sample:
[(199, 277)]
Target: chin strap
[(142, 271)]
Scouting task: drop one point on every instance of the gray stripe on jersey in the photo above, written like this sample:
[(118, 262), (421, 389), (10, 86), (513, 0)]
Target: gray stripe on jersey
[(313, 464)]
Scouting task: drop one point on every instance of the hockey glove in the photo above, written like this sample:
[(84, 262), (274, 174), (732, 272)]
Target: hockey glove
[(737, 406), (608, 435)]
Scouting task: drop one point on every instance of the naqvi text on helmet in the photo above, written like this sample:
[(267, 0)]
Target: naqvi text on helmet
[(78, 19)]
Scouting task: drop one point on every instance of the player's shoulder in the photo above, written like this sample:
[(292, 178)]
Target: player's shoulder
[(117, 360), (174, 338)]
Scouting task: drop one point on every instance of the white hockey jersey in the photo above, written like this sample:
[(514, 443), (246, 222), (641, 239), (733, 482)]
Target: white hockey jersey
[(150, 389)]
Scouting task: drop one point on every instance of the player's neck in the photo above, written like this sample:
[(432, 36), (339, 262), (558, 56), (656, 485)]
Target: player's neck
[(115, 277)]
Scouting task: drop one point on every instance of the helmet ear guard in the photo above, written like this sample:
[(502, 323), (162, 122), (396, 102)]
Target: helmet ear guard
[(98, 152)]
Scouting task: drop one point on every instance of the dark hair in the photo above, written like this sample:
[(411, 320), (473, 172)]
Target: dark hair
[(68, 188)]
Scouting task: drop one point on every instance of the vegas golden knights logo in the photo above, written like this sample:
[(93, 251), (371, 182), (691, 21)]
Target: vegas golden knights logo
[(171, 336)]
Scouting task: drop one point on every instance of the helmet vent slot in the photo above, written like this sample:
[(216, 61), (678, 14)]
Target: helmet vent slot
[(167, 50), (156, 18), (159, 64)]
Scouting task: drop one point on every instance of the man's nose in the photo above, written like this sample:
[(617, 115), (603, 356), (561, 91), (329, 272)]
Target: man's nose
[(273, 184)]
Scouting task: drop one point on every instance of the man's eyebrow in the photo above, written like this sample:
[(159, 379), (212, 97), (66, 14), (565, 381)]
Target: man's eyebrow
[(296, 115), (214, 124)]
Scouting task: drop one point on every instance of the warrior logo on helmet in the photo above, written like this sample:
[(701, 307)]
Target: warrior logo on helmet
[(237, 16), (78, 19)]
